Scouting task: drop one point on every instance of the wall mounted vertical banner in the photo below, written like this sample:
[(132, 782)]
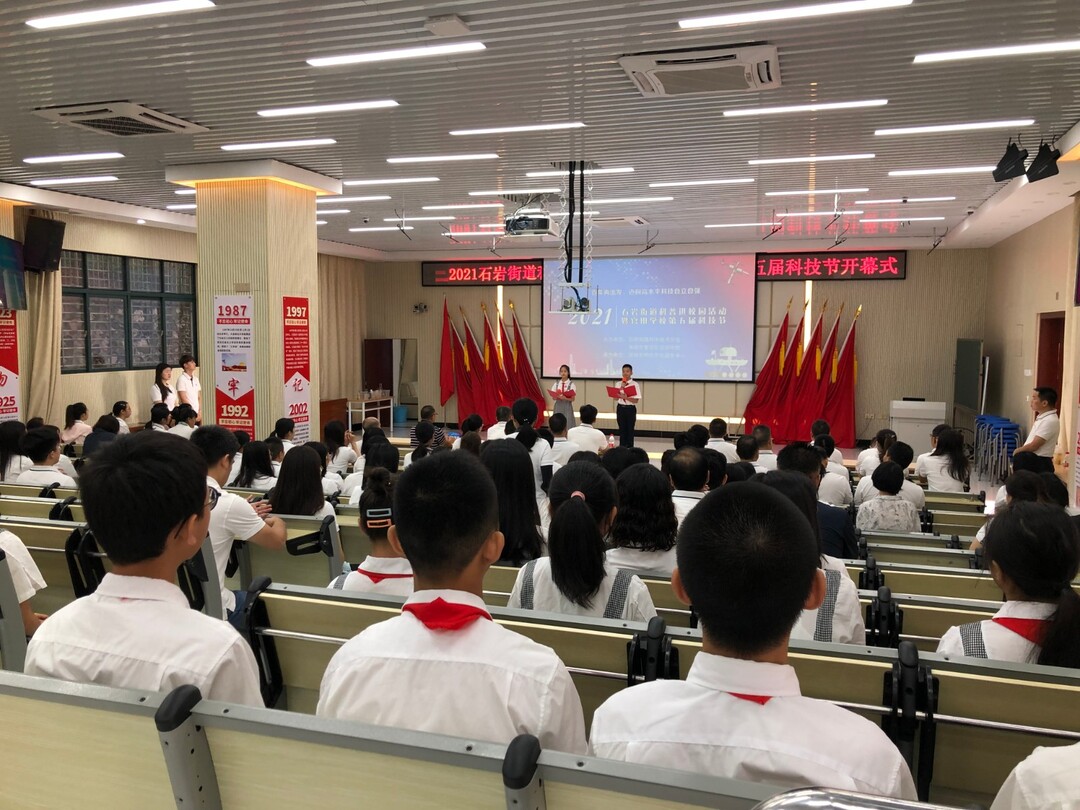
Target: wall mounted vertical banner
[(234, 354), (297, 336), (10, 397)]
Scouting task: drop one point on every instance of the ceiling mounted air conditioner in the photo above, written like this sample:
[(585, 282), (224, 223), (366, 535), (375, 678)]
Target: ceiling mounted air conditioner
[(728, 69)]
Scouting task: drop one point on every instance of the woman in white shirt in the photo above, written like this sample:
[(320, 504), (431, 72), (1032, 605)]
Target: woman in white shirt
[(519, 520), (562, 395), (1033, 552), (888, 512), (161, 391), (342, 446), (76, 428), (299, 490), (645, 527), (576, 578), (12, 461), (947, 468), (256, 471), (873, 455)]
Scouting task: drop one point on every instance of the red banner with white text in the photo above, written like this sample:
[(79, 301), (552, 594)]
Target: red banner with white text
[(234, 356), (10, 396), (297, 376)]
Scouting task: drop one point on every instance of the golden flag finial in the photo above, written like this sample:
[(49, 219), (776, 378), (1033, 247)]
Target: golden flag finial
[(805, 305), (858, 312), (483, 306), (511, 305), (789, 301), (840, 311)]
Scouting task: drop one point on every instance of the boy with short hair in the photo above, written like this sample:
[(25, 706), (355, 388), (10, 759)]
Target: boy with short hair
[(748, 562), (498, 430), (718, 440), (42, 445), (688, 473), (562, 448), (586, 436), (148, 504), (766, 457), (443, 666)]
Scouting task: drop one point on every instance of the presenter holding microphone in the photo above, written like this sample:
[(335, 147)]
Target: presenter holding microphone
[(562, 394), (629, 395)]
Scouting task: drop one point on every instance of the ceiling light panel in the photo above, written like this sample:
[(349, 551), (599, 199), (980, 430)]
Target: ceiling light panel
[(74, 181), (443, 158), (948, 170), (33, 161), (418, 219), (811, 192), (566, 172), (811, 159), (904, 219), (803, 108), (817, 214), (372, 198), (390, 181), (300, 144), (419, 52), (1016, 123), (377, 228), (113, 13), (687, 183), (621, 200), (901, 200), (462, 206), (520, 128), (791, 13), (746, 225), (515, 192), (181, 207), (319, 109), (997, 52)]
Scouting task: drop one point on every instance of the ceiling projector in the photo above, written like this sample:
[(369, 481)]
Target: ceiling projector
[(529, 225)]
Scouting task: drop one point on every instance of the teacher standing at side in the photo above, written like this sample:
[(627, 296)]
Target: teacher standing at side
[(626, 406)]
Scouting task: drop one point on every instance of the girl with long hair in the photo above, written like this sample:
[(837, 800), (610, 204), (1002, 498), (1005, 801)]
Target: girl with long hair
[(519, 519), (342, 447), (12, 461), (425, 436), (161, 391), (872, 456), (299, 485), (644, 530), (76, 428), (256, 471), (947, 468)]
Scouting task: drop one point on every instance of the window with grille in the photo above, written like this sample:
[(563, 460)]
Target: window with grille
[(122, 312)]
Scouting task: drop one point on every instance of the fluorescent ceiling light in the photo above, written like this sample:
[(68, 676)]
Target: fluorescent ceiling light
[(905, 219), (418, 52), (419, 219), (492, 225), (140, 222), (818, 214), (74, 181), (468, 234), (394, 181), (184, 207), (73, 158), (731, 182), (618, 200), (320, 222), (119, 13), (952, 170), (811, 192), (1008, 50), (791, 13), (556, 213), (800, 108), (316, 109), (522, 128), (375, 228), (372, 198), (811, 159), (245, 147), (329, 212), (185, 192), (442, 158), (1019, 122), (900, 200), (464, 206), (746, 225), (504, 192), (565, 172)]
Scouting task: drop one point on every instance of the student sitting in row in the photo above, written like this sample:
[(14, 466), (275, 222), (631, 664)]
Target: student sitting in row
[(76, 426), (946, 469), (425, 437), (519, 517), (342, 446), (888, 512), (872, 456), (106, 430), (749, 564), (575, 579), (835, 486), (42, 446), (25, 576), (379, 454), (331, 483), (299, 489), (384, 570), (689, 475), (443, 666), (284, 430), (160, 418), (837, 531), (12, 460), (1049, 779), (643, 532), (149, 506), (1033, 552), (185, 419), (277, 452), (901, 454), (256, 469)]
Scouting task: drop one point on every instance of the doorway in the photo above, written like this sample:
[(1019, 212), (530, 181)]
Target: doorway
[(1050, 351)]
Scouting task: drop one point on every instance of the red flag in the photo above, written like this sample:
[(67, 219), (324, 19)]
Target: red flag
[(761, 402), (528, 385), (493, 361), (786, 389), (840, 401), (816, 404), (798, 409), (466, 400), (446, 359), (485, 395)]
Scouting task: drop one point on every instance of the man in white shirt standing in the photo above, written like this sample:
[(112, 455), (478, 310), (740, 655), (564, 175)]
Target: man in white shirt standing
[(188, 388), (688, 472), (42, 446), (718, 440), (585, 436), (492, 684), (233, 518), (563, 448), (498, 430), (766, 457), (740, 714), (1043, 437), (149, 507)]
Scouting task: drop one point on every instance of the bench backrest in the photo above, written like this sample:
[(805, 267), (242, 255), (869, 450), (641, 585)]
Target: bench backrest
[(314, 569), (47, 542)]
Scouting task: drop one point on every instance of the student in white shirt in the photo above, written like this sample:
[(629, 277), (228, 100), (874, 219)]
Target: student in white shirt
[(472, 423), (1043, 437), (689, 475), (148, 504), (643, 532), (576, 579), (749, 564), (331, 484), (233, 518), (585, 436), (255, 470), (492, 684), (525, 412), (819, 427), (160, 418), (934, 433), (384, 570), (766, 457), (873, 455), (299, 489), (42, 446), (901, 454), (1049, 779), (283, 430), (379, 454), (425, 435), (76, 428), (747, 450), (626, 405), (563, 393), (947, 468), (161, 392), (1033, 552), (563, 448), (888, 512), (188, 387), (184, 421), (718, 440), (342, 446), (25, 576), (835, 486), (122, 411), (12, 460), (498, 430), (515, 485)]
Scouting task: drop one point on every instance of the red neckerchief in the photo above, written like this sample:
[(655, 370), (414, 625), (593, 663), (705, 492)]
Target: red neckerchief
[(1032, 629), (377, 578), (761, 700), (443, 615)]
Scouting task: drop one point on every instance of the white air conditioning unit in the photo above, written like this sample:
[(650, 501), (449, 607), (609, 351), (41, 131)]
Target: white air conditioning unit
[(711, 70), (618, 222)]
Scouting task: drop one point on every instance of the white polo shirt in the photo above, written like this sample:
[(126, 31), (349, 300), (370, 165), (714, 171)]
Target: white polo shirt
[(562, 450), (909, 491), (1049, 778), (790, 741), (140, 633), (339, 464), (1001, 643), (16, 466), (1047, 425), (766, 460), (190, 385), (496, 431), (182, 429), (482, 682), (233, 518), (586, 437), (935, 469), (834, 489), (868, 461), (44, 476), (658, 564), (725, 447), (170, 401), (67, 467), (25, 574), (547, 596), (391, 576), (684, 500)]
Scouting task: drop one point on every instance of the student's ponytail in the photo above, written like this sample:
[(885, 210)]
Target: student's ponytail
[(425, 434), (525, 414), (582, 496), (1061, 645), (376, 507), (527, 436)]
